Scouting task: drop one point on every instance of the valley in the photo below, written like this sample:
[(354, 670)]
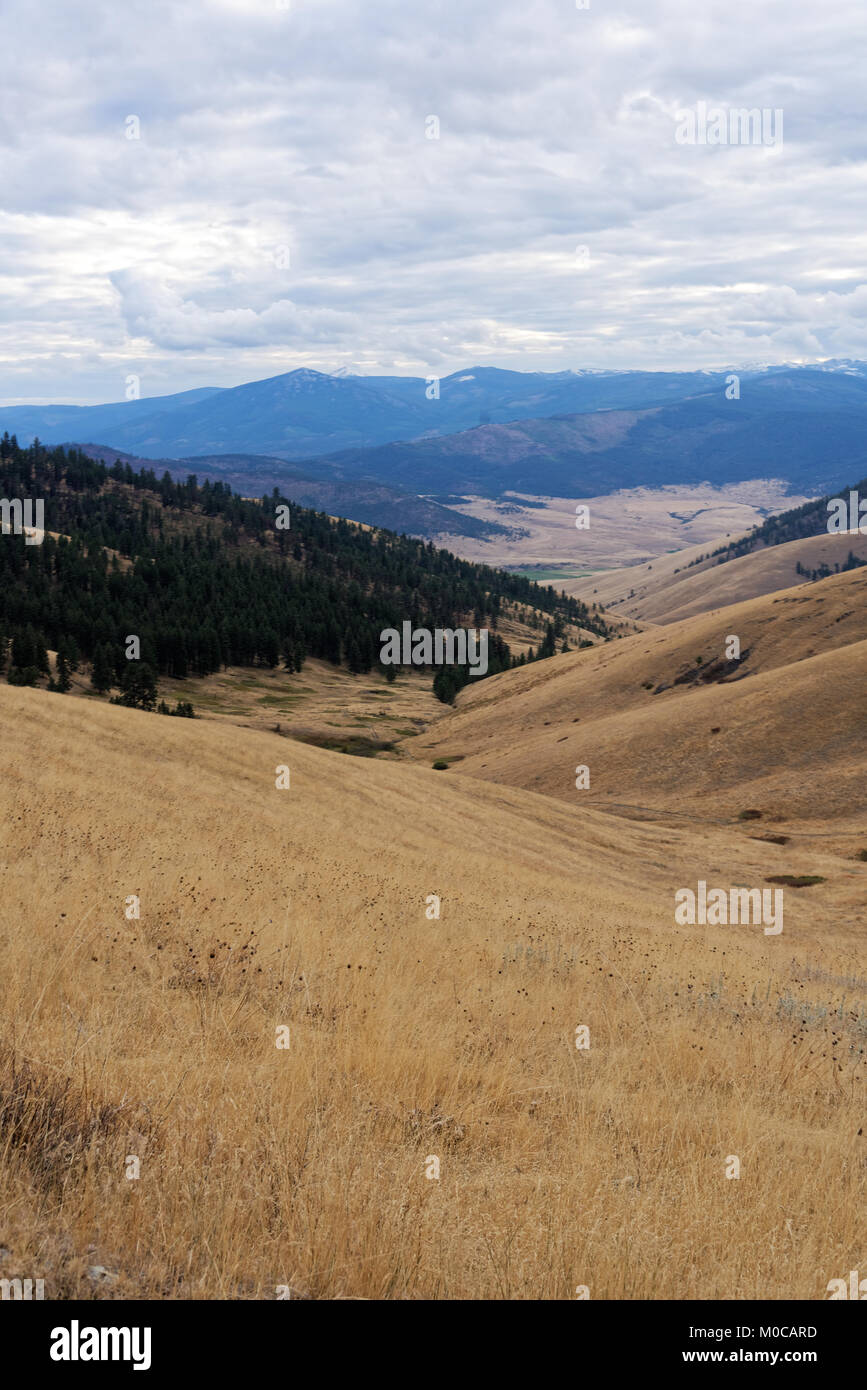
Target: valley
[(433, 648), (403, 1007), (625, 527), (411, 1038)]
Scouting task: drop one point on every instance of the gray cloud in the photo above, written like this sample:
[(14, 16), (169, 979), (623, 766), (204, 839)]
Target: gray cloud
[(298, 134)]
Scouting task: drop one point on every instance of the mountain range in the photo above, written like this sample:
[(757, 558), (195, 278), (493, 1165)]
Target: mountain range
[(304, 413), (487, 432), (804, 426)]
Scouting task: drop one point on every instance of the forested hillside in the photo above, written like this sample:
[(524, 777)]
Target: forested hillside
[(205, 578)]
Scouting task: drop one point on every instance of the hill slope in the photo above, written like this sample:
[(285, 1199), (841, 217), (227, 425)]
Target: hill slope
[(688, 582), (369, 502), (205, 579), (430, 1130), (783, 733)]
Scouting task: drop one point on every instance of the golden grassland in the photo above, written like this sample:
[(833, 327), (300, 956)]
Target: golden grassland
[(410, 1039), (784, 732), (329, 705), (626, 527), (671, 587)]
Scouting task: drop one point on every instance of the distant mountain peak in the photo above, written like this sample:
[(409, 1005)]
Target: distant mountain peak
[(304, 414)]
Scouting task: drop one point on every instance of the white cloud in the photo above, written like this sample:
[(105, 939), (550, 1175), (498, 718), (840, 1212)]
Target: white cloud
[(304, 128), (153, 310)]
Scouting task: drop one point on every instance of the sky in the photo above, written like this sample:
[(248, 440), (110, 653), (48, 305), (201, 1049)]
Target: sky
[(218, 191)]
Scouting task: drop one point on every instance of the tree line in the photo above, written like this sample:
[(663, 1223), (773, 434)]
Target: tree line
[(207, 579)]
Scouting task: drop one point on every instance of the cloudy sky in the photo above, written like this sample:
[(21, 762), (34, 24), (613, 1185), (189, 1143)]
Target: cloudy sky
[(284, 203)]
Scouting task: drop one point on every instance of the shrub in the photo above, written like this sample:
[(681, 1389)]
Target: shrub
[(796, 880), (26, 675)]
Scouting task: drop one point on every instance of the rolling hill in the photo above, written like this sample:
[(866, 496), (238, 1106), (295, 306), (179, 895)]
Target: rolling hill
[(688, 582), (668, 726), (369, 502), (370, 1029), (329, 1089), (200, 579), (786, 547)]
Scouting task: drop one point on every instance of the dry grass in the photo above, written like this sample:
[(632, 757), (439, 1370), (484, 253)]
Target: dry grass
[(785, 734), (626, 527), (326, 704), (410, 1038), (667, 588)]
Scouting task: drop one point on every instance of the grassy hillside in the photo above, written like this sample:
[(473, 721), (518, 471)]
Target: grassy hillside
[(811, 519), (411, 1039), (664, 723), (689, 582)]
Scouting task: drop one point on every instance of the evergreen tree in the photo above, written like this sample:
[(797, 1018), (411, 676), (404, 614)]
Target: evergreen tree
[(23, 675), (63, 682), (23, 649), (139, 687), (42, 663), (102, 675), (548, 646)]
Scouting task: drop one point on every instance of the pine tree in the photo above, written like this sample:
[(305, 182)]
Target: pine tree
[(63, 682), (102, 675), (23, 649), (139, 687)]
